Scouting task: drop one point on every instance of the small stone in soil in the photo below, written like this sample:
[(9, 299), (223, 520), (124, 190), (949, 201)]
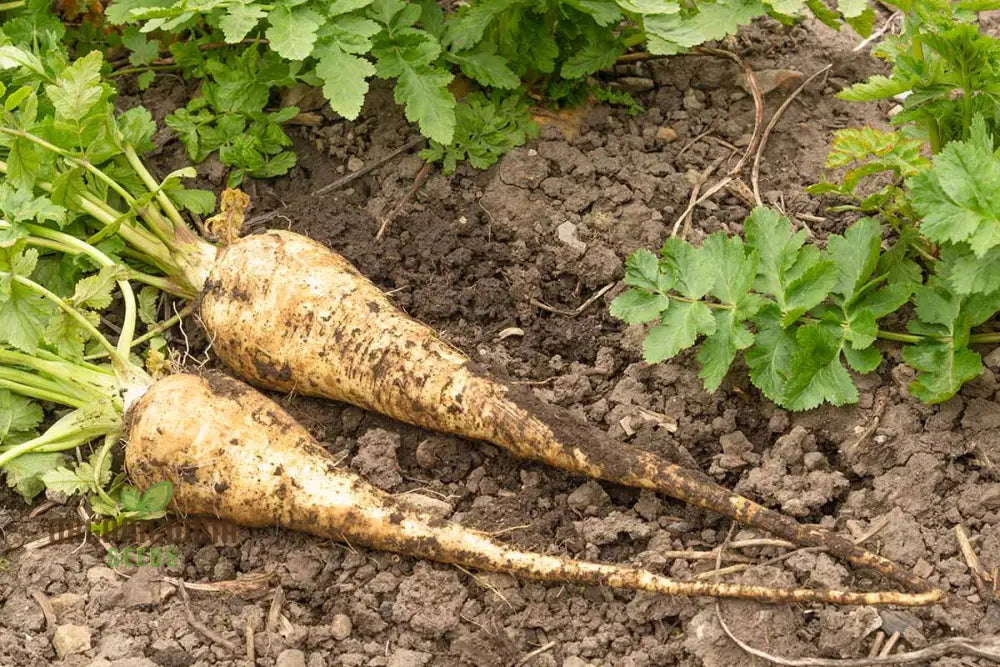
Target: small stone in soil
[(406, 658), (376, 458), (341, 627), (69, 639), (291, 657), (665, 134)]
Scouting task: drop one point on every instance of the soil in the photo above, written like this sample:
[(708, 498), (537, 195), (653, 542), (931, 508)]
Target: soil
[(494, 260)]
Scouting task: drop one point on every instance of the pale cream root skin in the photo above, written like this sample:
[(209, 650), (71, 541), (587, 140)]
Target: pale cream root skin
[(288, 314), (232, 453)]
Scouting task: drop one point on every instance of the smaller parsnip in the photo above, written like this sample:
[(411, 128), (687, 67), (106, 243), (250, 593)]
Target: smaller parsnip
[(232, 453)]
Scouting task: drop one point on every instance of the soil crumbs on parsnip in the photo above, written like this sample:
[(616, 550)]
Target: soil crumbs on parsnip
[(552, 223)]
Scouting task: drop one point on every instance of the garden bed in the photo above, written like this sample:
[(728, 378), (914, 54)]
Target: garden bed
[(504, 263)]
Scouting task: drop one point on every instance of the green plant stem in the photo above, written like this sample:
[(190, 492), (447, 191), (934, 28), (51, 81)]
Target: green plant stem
[(4, 6), (69, 310), (152, 249), (158, 225), (143, 68), (72, 159), (102, 454), (158, 329), (55, 395), (128, 296), (81, 377), (168, 206), (75, 429)]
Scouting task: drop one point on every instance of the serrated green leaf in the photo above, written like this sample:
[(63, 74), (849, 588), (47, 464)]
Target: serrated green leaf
[(719, 349), (855, 255), (860, 330), (345, 80), (239, 20), (958, 198), (668, 34), (680, 327), (604, 12), (292, 33), (777, 245), (66, 481), (595, 56), (877, 87), (808, 290), (733, 267), (78, 88), (787, 7), (487, 69), (23, 318), (137, 127), (969, 274), (24, 160), (863, 22), (642, 269), (815, 374), (20, 205), (427, 102), (17, 414), (24, 473), (886, 300), (770, 357), (852, 8), (638, 307), (350, 33), (95, 291), (142, 50), (148, 305), (691, 268), (862, 361), (66, 335), (466, 29), (942, 370), (199, 202)]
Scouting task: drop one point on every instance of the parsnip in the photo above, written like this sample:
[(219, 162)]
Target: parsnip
[(232, 453), (288, 314)]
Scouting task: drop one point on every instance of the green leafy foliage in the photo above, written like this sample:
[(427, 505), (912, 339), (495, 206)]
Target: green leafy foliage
[(498, 45), (946, 67), (73, 178), (813, 311), (801, 316), (486, 129)]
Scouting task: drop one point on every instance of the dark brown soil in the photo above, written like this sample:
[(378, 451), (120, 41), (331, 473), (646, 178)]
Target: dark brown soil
[(473, 256)]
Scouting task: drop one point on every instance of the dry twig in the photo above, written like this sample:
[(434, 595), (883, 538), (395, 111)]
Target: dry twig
[(758, 124), (538, 651), (200, 627), (755, 169), (418, 180), (985, 647), (572, 313), (340, 182), (47, 611)]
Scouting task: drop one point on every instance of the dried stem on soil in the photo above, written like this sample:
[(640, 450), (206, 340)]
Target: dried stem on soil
[(986, 647), (755, 169), (758, 124), (418, 180), (339, 183), (200, 627)]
